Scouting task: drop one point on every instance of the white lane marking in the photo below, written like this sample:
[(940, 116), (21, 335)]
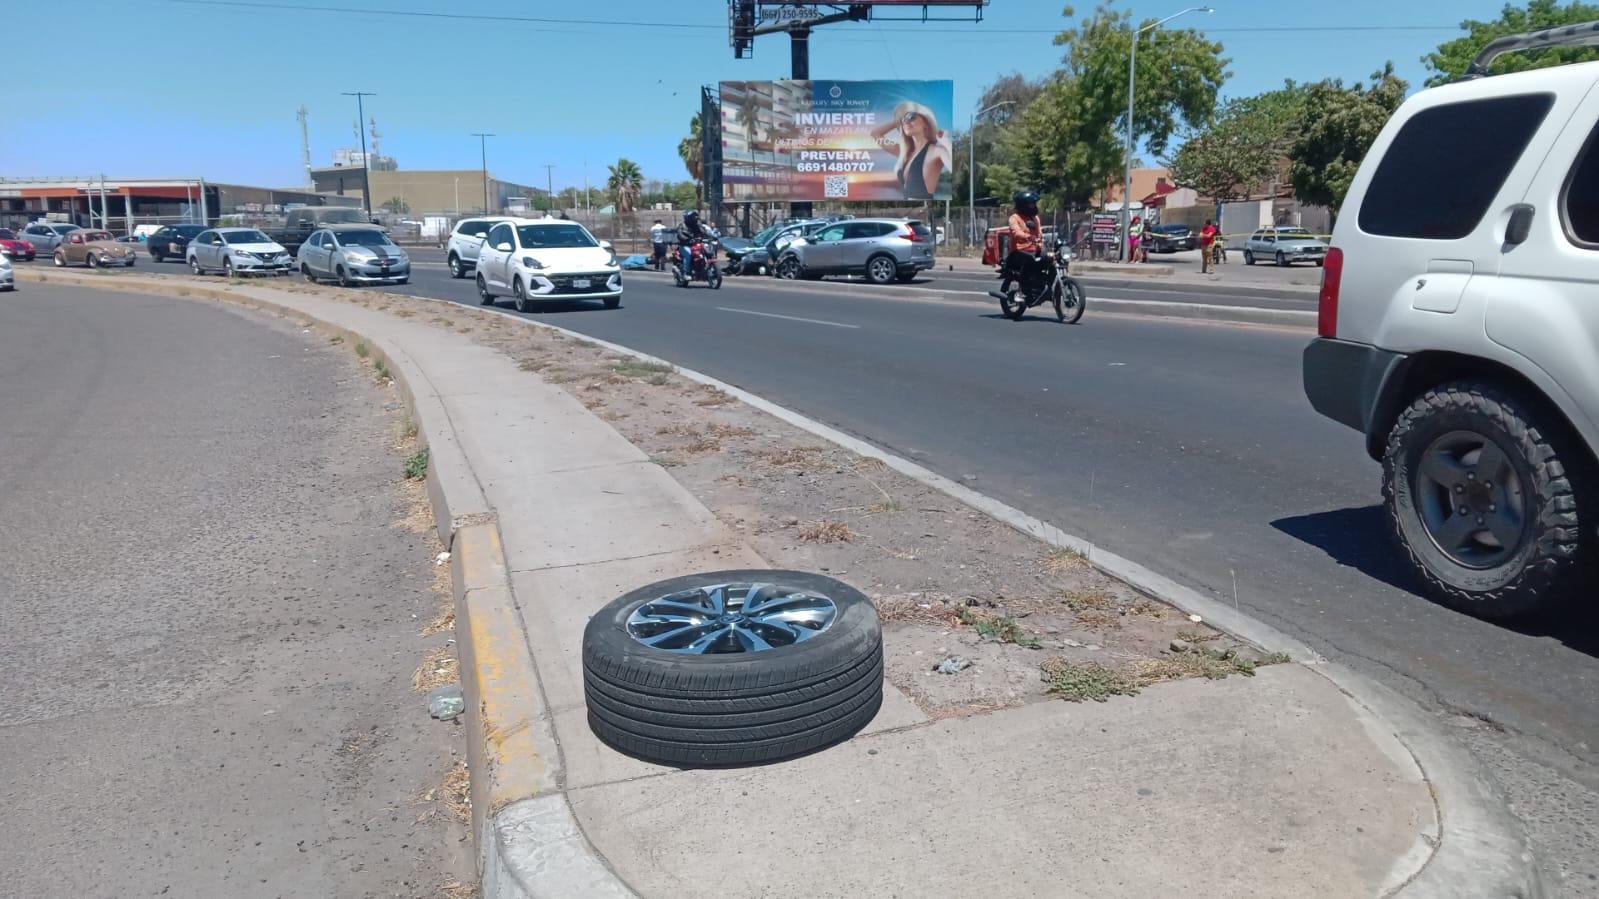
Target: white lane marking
[(792, 318)]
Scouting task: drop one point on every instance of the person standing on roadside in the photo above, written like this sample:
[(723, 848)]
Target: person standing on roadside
[(658, 245), (1207, 247), (1135, 237)]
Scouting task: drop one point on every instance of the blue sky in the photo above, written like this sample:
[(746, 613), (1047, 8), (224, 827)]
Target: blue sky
[(168, 88)]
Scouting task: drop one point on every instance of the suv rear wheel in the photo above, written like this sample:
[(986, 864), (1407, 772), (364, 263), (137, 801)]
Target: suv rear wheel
[(1479, 498), (881, 269)]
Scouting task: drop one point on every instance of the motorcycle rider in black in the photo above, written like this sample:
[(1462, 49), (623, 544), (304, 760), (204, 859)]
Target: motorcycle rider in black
[(691, 230)]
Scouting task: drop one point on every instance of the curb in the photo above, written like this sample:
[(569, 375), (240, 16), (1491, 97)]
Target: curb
[(1481, 848), (1243, 315)]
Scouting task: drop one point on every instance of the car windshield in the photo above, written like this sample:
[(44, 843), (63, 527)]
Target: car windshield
[(98, 235), (554, 237), (1292, 232), (245, 237), (372, 238), (63, 229), (342, 217), (189, 231)]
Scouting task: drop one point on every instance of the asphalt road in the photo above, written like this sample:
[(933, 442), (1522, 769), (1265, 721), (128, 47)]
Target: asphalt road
[(1187, 446), (209, 615)]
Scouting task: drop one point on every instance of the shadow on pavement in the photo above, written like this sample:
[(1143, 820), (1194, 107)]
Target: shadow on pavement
[(1359, 538), (1356, 538), (544, 306)]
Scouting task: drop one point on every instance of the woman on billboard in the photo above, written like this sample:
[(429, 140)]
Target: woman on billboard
[(923, 150)]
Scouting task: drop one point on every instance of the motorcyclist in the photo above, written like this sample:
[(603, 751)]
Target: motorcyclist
[(1026, 240), (690, 231)]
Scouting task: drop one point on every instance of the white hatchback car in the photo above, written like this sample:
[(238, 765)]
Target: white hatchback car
[(547, 259), (1459, 328)]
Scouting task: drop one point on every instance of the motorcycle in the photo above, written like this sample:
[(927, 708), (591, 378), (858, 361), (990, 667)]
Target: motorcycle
[(702, 265), (1052, 285)]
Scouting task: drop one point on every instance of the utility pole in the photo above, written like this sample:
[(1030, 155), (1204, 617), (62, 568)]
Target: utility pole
[(1127, 161), (588, 205), (305, 145), (971, 168), (366, 164), (549, 184), (483, 148)]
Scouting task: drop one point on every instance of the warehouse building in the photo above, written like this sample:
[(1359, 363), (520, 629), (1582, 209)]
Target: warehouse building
[(419, 192), (121, 204)]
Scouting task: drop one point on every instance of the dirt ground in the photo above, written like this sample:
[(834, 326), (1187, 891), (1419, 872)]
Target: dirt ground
[(1008, 618)]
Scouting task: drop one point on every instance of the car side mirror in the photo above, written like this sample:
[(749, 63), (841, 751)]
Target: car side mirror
[(503, 247), (606, 245)]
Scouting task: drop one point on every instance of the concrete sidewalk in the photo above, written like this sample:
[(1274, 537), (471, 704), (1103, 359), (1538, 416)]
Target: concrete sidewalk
[(1280, 785)]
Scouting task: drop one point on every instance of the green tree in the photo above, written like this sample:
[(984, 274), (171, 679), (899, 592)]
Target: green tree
[(1451, 59), (396, 205), (624, 183), (1339, 126), (1015, 90), (1243, 145), (691, 150), (1069, 142)]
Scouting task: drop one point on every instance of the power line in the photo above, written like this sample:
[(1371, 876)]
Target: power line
[(689, 26), (293, 7)]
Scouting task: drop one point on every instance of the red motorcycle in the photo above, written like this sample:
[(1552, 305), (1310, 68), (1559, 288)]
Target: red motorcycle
[(702, 265)]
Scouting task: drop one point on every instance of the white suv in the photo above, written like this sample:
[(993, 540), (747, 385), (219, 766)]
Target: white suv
[(465, 242), (1459, 328), (547, 259)]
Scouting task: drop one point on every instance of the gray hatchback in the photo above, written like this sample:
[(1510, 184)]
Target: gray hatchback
[(882, 250)]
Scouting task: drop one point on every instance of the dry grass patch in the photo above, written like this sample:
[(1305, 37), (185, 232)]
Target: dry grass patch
[(1061, 560), (803, 458), (1091, 600), (443, 621), (827, 532), (534, 363), (712, 396), (870, 463), (724, 431), (457, 793), (439, 667)]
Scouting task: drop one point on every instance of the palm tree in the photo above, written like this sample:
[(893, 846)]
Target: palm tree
[(624, 183), (692, 150), (749, 115)]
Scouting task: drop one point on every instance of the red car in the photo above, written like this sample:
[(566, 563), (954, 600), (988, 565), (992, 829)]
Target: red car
[(14, 246)]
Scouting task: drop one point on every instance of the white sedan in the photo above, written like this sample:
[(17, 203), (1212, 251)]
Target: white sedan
[(547, 259)]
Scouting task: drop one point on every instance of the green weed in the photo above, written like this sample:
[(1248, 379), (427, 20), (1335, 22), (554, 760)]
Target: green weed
[(416, 465), (362, 350), (998, 627), (1089, 680)]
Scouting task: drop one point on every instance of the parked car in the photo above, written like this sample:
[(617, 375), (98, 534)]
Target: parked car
[(465, 242), (243, 251), (547, 259), (1285, 246), (93, 248), (301, 222), (1457, 330), (883, 250), (15, 246), (172, 241), (1170, 238), (46, 236), (8, 277), (353, 254)]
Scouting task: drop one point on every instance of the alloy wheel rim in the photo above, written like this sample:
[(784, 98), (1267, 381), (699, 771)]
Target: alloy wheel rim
[(1471, 500), (733, 618), (882, 271)]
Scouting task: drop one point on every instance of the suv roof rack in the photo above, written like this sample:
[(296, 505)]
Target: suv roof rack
[(1584, 35)]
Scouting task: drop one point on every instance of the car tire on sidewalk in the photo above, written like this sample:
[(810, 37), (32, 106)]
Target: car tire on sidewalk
[(687, 672)]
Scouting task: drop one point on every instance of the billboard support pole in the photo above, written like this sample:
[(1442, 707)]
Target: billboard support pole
[(800, 61)]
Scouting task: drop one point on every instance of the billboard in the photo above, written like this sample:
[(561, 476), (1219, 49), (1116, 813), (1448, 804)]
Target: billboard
[(836, 140)]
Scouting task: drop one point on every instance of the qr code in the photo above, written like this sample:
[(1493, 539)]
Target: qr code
[(836, 186)]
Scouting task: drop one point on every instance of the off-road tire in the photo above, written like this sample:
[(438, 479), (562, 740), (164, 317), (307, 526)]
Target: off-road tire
[(1539, 572), (735, 708)]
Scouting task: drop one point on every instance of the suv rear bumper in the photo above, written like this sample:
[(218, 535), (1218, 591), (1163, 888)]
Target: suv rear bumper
[(1345, 381)]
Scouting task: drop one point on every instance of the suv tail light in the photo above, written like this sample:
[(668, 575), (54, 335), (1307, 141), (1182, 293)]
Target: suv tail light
[(1332, 275), (913, 235)]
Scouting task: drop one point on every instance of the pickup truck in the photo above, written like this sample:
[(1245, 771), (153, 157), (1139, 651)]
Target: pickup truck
[(302, 222)]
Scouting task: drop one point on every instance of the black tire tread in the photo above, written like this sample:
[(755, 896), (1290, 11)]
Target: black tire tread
[(1557, 530), (715, 730), (778, 674), (772, 706), (711, 754)]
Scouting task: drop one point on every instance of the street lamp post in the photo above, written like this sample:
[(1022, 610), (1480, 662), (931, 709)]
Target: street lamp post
[(483, 148), (1132, 80), (549, 187), (971, 168), (366, 164)]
